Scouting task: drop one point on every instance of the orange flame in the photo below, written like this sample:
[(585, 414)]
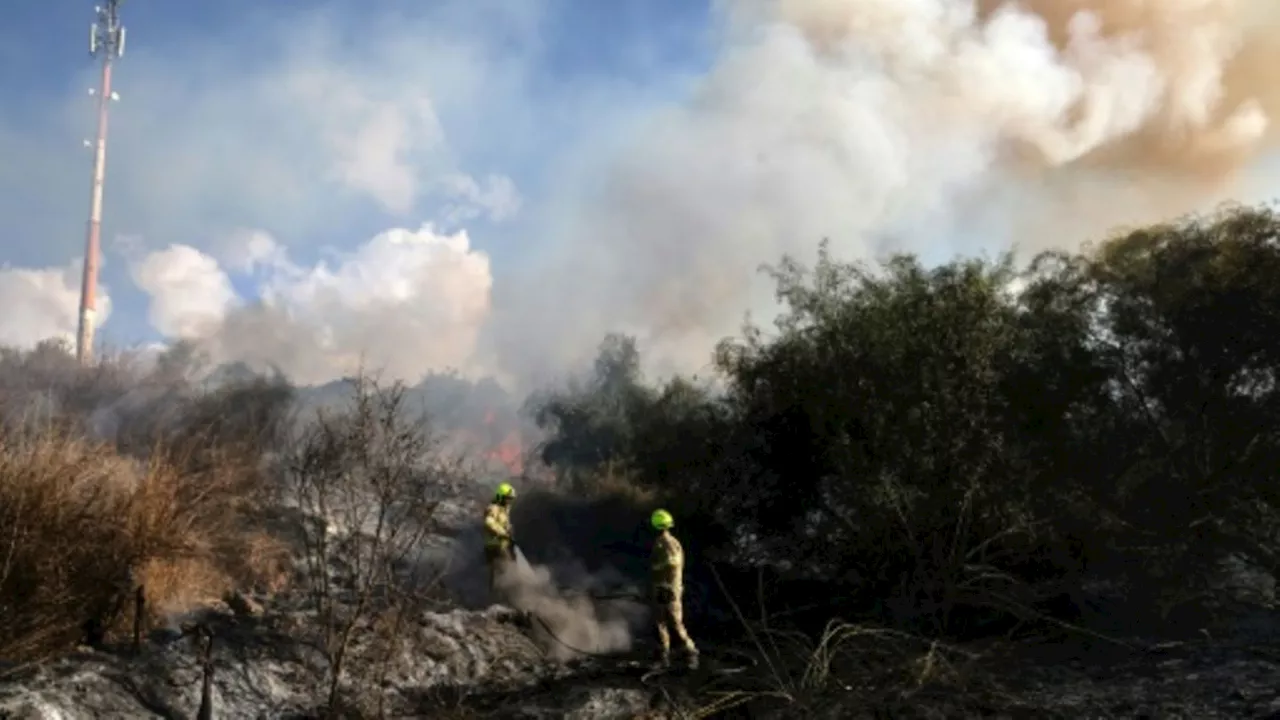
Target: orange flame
[(507, 452), (510, 453)]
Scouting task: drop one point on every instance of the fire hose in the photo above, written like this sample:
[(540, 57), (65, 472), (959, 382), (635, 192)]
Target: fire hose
[(750, 661), (720, 670)]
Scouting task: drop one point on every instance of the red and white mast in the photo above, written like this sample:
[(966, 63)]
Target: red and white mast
[(106, 42)]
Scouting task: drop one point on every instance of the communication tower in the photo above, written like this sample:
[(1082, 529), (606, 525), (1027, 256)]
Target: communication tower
[(106, 42)]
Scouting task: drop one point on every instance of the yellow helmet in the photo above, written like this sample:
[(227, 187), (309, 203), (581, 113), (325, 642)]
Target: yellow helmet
[(505, 492), (661, 520)]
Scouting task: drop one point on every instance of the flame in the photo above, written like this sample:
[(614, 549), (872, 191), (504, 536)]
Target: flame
[(510, 453), (507, 452)]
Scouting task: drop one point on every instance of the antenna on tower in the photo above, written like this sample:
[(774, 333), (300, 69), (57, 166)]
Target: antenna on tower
[(106, 42)]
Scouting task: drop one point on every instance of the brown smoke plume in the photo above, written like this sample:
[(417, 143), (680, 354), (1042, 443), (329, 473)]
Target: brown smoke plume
[(1160, 104), (1168, 86), (1211, 113)]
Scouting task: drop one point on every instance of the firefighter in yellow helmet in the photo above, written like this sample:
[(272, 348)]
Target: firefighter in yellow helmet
[(667, 566), (499, 549)]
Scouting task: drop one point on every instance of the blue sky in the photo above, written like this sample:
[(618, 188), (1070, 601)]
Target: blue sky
[(520, 85)]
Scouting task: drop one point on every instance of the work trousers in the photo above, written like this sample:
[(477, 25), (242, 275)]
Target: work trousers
[(668, 613), (500, 561)]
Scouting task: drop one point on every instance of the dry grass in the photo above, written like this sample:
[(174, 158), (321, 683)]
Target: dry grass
[(263, 564), (873, 670), (81, 526), (849, 666), (175, 585)]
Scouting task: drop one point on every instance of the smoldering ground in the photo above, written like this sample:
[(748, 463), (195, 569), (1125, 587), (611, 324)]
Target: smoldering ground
[(580, 572)]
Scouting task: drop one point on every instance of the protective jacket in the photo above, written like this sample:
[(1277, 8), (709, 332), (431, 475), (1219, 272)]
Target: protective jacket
[(497, 526), (667, 564)]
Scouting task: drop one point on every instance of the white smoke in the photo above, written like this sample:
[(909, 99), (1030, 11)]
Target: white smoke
[(371, 159), (573, 611), (44, 304), (402, 304), (934, 126), (569, 624), (497, 198)]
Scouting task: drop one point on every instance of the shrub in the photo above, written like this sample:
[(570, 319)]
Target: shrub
[(115, 476), (82, 524), (969, 441)]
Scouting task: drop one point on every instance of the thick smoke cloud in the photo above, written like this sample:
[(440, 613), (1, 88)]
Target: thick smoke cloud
[(932, 126), (44, 304)]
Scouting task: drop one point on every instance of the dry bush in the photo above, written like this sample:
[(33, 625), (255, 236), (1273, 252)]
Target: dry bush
[(81, 525), (368, 477), (128, 473), (175, 585), (64, 518), (260, 562)]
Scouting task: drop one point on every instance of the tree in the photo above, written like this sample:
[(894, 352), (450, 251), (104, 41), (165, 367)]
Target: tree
[(591, 422), (970, 435), (1186, 317)]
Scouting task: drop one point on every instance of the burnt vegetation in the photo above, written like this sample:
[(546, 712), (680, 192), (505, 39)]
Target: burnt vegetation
[(185, 489)]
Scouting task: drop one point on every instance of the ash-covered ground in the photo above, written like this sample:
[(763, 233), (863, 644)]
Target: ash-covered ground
[(467, 657)]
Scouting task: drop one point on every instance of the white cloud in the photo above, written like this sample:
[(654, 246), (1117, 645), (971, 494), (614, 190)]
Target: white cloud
[(43, 304), (403, 303), (190, 295)]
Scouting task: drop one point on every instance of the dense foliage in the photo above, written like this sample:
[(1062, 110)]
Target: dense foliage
[(974, 435)]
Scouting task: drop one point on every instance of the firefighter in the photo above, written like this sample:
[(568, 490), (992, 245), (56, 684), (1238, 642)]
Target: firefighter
[(667, 565), (499, 549)]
